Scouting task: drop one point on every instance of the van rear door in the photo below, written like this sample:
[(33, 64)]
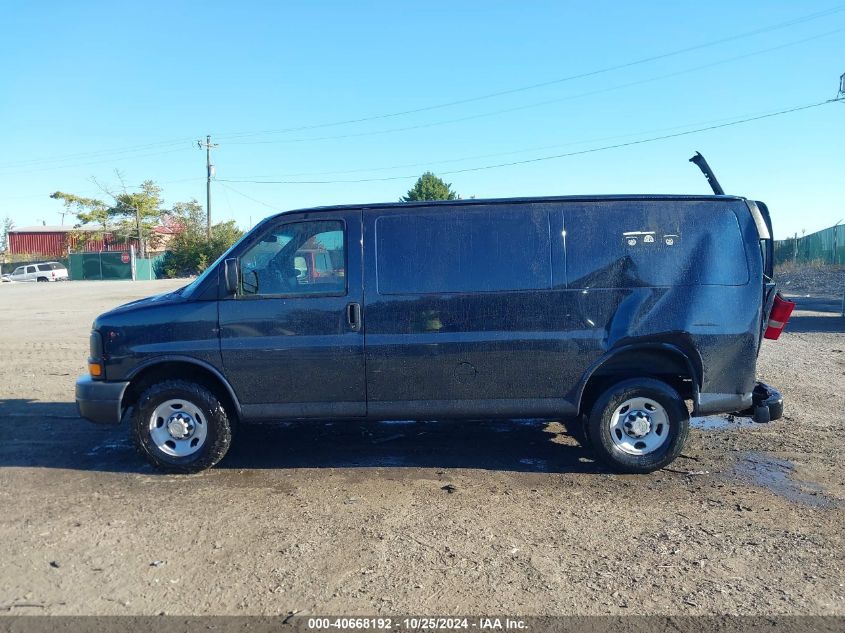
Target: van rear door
[(763, 220)]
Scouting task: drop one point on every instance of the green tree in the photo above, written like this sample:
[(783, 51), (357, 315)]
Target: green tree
[(86, 210), (127, 215), (190, 252), (138, 214), (430, 187)]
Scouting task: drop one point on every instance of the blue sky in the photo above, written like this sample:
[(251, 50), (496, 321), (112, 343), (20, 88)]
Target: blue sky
[(96, 86)]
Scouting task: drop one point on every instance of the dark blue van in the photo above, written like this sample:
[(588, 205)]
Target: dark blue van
[(624, 312)]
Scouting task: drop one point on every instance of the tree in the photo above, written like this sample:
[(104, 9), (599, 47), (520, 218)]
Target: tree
[(8, 225), (86, 210), (127, 215), (430, 187), (138, 214), (190, 250)]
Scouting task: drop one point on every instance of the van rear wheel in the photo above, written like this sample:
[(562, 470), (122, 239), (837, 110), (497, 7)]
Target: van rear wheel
[(638, 426), (180, 427)]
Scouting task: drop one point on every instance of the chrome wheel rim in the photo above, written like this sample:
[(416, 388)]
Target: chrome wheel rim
[(178, 428), (639, 426)]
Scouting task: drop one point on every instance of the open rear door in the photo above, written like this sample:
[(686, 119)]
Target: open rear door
[(776, 309)]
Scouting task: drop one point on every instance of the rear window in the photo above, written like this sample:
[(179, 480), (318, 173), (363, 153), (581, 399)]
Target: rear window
[(623, 244), (50, 266), (461, 249)]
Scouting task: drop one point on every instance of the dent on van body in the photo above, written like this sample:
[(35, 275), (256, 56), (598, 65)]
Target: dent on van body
[(690, 284), (670, 271)]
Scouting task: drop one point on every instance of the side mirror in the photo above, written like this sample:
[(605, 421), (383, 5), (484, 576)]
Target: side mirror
[(231, 270)]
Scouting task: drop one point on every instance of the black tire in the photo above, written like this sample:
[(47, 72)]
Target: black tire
[(218, 432), (42, 279), (600, 421)]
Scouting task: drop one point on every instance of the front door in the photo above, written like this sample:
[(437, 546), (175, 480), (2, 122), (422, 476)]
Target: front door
[(292, 338)]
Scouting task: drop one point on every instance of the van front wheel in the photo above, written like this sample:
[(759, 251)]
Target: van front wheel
[(180, 427), (638, 425)]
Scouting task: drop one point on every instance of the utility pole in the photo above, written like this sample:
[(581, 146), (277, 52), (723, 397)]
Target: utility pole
[(208, 145), (141, 246)]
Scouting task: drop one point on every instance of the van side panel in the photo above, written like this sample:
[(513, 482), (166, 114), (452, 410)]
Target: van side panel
[(687, 273), (470, 313), (460, 315)]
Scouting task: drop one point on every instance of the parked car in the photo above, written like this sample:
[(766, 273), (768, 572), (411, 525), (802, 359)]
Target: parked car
[(620, 311), (45, 271)]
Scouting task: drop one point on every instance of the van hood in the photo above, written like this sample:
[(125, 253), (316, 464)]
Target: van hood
[(174, 296)]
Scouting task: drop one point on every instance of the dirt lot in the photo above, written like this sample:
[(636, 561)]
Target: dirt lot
[(352, 518)]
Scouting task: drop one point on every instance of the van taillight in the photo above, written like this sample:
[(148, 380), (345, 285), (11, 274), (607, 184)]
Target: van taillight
[(778, 317)]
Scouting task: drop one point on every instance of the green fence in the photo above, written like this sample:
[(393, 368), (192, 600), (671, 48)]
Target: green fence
[(148, 268), (827, 247), (107, 265)]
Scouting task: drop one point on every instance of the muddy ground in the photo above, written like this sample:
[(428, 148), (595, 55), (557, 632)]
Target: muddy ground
[(353, 518)]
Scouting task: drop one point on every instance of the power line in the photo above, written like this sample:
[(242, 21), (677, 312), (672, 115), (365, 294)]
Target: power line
[(540, 103), (90, 194), (544, 158), (506, 153), (97, 162), (582, 75), (240, 193), (94, 154)]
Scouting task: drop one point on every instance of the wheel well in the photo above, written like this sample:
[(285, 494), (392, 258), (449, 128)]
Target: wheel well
[(670, 367), (180, 370)]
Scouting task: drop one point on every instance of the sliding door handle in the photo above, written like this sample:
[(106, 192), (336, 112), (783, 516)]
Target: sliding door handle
[(353, 316)]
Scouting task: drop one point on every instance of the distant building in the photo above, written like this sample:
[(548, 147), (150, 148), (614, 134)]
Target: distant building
[(57, 241)]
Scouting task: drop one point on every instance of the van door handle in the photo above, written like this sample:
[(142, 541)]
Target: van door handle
[(353, 316)]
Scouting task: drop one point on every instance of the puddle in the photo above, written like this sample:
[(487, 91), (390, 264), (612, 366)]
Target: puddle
[(720, 422), (528, 422), (109, 446), (776, 475), (382, 461)]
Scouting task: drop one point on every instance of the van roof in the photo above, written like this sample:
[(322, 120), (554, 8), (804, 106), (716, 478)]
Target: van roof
[(477, 201)]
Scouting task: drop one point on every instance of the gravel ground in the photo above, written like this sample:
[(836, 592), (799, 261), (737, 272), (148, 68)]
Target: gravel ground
[(426, 518), (810, 280)]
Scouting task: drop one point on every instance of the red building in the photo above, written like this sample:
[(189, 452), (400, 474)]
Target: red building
[(56, 241)]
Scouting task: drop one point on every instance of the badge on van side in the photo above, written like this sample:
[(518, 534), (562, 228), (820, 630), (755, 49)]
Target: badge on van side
[(632, 238)]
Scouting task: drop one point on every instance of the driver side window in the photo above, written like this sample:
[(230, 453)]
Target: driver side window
[(296, 258)]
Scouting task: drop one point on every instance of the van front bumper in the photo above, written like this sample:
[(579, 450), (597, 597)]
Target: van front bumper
[(99, 401)]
